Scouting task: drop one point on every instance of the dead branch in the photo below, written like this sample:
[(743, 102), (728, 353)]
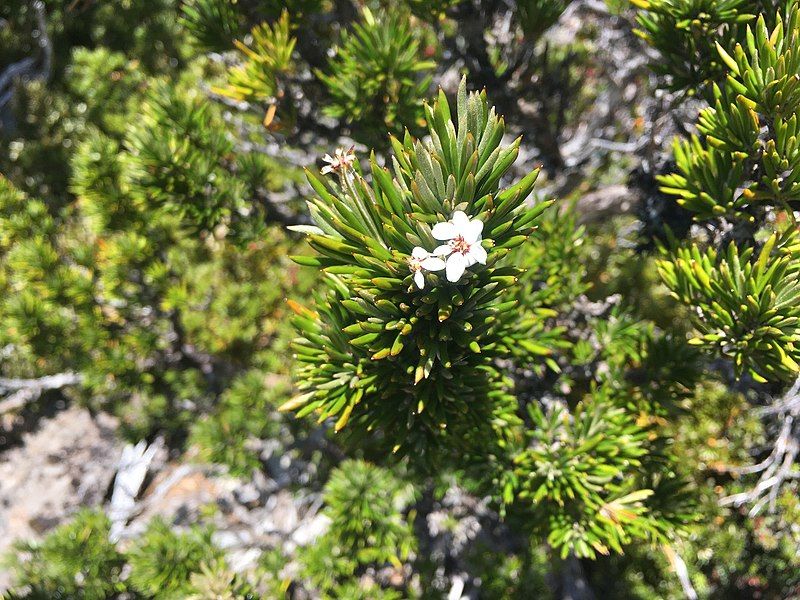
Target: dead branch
[(23, 391), (27, 67), (778, 467), (131, 472)]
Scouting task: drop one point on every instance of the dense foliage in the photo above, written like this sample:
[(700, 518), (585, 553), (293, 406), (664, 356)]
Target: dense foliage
[(352, 240)]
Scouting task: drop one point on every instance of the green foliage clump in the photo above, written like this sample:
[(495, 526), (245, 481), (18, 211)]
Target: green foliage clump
[(745, 303), (163, 561), (267, 59), (573, 474), (746, 307), (44, 121), (78, 561), (537, 16), (416, 365), (40, 292), (85, 281), (748, 155), (217, 581), (213, 24), (364, 503), (75, 561), (107, 84), (365, 506), (246, 411), (178, 160), (378, 77), (766, 71), (151, 275), (685, 32)]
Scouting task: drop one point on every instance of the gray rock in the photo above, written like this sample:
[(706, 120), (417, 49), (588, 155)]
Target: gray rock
[(67, 464)]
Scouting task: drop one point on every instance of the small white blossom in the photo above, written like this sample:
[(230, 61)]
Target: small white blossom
[(422, 259), (340, 161), (463, 248)]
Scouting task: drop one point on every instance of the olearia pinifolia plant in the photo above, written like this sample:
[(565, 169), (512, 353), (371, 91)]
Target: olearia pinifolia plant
[(267, 59), (418, 305), (746, 307), (379, 75), (213, 24), (365, 503), (536, 16), (741, 175), (415, 341), (368, 528)]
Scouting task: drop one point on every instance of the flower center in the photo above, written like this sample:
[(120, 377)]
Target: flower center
[(459, 244)]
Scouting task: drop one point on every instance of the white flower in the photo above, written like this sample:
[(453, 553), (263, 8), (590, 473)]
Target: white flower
[(463, 248), (340, 161), (422, 259)]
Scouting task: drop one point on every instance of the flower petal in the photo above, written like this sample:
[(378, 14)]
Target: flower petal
[(326, 170), (443, 250), (460, 219), (478, 253), (472, 231), (419, 279), (444, 231), (456, 265), (433, 263), (419, 253)]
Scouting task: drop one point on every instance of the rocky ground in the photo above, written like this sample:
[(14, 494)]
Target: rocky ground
[(75, 459)]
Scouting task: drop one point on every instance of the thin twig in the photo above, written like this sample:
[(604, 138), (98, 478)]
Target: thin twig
[(27, 66), (23, 391), (777, 467)]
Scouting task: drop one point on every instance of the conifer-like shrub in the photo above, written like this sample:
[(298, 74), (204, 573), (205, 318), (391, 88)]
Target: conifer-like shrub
[(743, 290), (369, 529), (685, 32), (574, 476), (759, 334), (378, 77), (365, 504), (245, 413), (418, 298), (163, 561), (267, 59), (77, 560), (214, 24), (178, 155)]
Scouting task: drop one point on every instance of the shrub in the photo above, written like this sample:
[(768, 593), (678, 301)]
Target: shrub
[(163, 561), (378, 76), (76, 560), (409, 339)]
